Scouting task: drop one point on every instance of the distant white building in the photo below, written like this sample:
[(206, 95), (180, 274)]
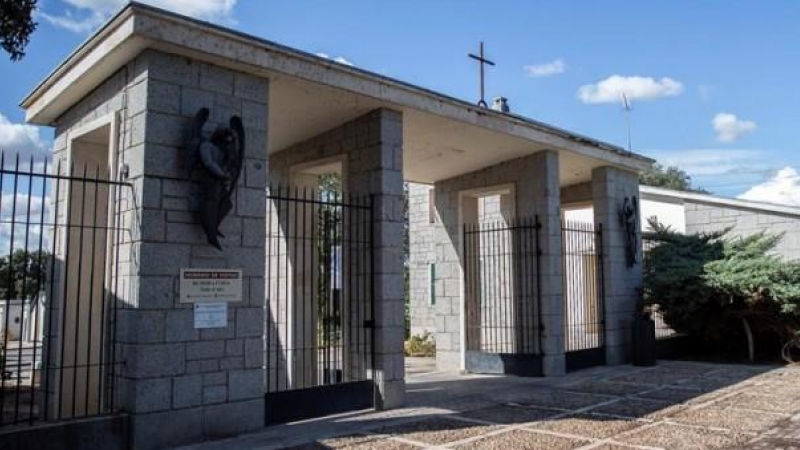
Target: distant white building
[(24, 321), (689, 212)]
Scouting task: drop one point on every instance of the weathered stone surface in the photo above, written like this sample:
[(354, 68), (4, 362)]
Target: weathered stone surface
[(187, 391)]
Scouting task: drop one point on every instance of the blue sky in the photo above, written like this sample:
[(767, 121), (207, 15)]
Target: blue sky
[(714, 85)]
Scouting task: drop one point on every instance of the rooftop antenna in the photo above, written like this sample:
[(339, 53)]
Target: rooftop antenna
[(482, 61), (626, 106)]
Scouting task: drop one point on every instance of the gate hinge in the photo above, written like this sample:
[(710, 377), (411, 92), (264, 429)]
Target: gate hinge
[(369, 324)]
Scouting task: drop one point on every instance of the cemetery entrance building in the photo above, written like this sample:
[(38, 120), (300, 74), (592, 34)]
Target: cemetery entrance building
[(222, 153)]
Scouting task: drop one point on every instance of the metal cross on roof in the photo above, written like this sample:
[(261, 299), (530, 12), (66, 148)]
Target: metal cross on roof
[(482, 61)]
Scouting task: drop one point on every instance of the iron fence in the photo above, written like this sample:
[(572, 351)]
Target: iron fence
[(501, 267), (60, 235), (584, 313), (319, 328)]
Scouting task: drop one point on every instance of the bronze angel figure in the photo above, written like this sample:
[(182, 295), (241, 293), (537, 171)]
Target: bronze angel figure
[(220, 156)]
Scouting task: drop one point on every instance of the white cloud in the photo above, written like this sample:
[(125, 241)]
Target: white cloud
[(611, 89), (546, 69), (783, 188), (339, 59), (22, 139), (83, 16), (730, 128), (25, 225)]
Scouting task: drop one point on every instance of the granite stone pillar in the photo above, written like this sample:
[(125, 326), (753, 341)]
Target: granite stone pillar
[(622, 284), (543, 194), (181, 384)]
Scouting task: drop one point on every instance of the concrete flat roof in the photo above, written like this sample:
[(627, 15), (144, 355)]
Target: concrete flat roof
[(461, 136)]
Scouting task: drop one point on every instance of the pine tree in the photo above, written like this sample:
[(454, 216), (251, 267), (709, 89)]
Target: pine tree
[(715, 287)]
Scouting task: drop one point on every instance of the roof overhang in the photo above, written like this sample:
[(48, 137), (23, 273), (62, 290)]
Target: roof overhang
[(670, 195), (138, 27)]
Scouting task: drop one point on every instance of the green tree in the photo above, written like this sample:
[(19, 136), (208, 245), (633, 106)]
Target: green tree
[(16, 26), (24, 276), (668, 177), (715, 287)]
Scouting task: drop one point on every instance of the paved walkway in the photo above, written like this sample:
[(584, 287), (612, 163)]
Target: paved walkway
[(675, 405)]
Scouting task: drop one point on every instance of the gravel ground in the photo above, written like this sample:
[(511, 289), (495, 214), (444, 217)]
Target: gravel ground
[(672, 394), (523, 440), (636, 408), (438, 430), (674, 405), (729, 418), (608, 388), (358, 442), (509, 414), (562, 400), (676, 437), (768, 403), (588, 425)]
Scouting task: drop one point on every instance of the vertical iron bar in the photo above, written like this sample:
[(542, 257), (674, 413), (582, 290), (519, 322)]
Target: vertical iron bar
[(9, 282), (119, 224), (290, 345), (37, 312), (81, 230), (279, 327), (601, 283), (91, 289), (293, 241), (303, 318), (51, 296), (269, 282), (102, 344), (372, 254), (467, 281), (24, 291), (538, 319)]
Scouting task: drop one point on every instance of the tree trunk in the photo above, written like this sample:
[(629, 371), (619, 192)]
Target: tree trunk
[(750, 344)]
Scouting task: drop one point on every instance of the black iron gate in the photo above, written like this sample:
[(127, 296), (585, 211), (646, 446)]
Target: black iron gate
[(319, 330), (501, 274), (584, 313), (60, 239)]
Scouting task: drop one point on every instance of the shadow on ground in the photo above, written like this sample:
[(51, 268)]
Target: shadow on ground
[(675, 405)]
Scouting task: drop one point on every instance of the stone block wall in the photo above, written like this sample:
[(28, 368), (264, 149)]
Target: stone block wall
[(370, 148), (422, 252), (181, 384), (707, 217)]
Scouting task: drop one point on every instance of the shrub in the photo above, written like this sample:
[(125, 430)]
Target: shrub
[(421, 345), (715, 288)]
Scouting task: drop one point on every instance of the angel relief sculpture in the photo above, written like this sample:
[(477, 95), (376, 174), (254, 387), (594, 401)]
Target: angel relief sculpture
[(219, 155)]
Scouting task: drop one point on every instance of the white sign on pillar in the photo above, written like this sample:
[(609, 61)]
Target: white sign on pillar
[(210, 290), (211, 315), (211, 285)]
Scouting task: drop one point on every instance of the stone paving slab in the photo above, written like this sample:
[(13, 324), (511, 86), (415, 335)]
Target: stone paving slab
[(639, 408), (588, 425), (562, 399), (729, 418), (677, 437), (523, 440), (509, 414), (358, 442), (775, 404), (437, 430), (608, 388), (673, 394)]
